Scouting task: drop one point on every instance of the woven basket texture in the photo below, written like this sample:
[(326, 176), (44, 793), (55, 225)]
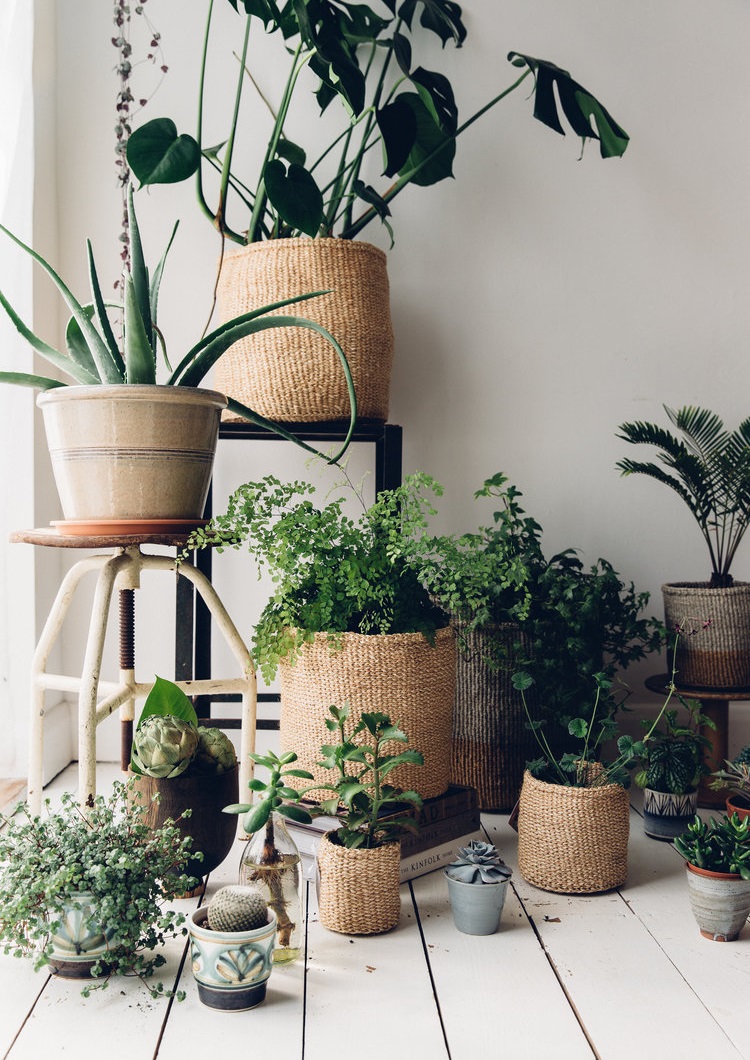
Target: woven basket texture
[(573, 840), (359, 889), (400, 674), (491, 741), (719, 656), (293, 374)]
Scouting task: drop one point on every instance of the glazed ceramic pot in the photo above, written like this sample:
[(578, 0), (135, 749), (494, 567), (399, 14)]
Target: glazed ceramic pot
[(476, 907), (666, 816), (80, 941), (231, 968), (720, 902), (132, 453)]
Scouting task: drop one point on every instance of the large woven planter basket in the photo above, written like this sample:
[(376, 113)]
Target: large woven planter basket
[(491, 741), (399, 674), (718, 656), (293, 374), (358, 891), (573, 840)]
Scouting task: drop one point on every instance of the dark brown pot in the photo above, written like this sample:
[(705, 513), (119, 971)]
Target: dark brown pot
[(212, 831)]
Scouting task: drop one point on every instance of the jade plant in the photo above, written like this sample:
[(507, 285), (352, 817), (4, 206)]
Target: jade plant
[(94, 356), (721, 845), (105, 852), (170, 742), (478, 863), (362, 65), (708, 466)]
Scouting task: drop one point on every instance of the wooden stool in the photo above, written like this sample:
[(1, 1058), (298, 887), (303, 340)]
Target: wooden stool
[(121, 568)]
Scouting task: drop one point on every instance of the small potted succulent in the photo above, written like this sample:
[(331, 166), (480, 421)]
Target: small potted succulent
[(192, 767), (231, 949), (477, 884), (670, 767), (85, 891), (735, 780), (708, 467), (717, 854)]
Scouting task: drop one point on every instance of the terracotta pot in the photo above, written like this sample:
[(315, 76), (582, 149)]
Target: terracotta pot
[(293, 374), (213, 832), (358, 890), (738, 804), (720, 902), (132, 452)]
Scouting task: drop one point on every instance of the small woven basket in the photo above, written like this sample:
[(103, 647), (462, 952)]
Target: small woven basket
[(399, 674), (719, 655), (358, 891), (573, 840), (293, 374), (491, 740)]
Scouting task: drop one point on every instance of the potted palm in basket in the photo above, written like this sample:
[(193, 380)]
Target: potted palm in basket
[(708, 466)]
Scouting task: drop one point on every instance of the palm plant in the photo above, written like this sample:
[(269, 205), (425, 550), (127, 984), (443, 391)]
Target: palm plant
[(709, 468)]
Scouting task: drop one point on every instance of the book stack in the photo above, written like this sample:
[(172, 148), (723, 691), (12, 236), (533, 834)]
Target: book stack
[(446, 822)]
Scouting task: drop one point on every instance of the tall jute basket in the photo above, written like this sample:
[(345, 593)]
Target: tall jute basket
[(491, 741), (719, 655), (292, 374), (400, 674), (358, 890), (573, 840)]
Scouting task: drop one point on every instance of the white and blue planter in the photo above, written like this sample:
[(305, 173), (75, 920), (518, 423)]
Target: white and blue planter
[(666, 816), (231, 968)]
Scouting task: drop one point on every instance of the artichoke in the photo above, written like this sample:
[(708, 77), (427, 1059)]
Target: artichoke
[(215, 753), (164, 746), (479, 863)]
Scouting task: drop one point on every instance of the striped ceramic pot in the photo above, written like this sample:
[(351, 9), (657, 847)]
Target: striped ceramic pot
[(666, 816)]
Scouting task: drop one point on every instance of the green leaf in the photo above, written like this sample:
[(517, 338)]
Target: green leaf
[(237, 808), (101, 314), (296, 813), (140, 365), (578, 727), (166, 699), (81, 372), (39, 382), (430, 140), (158, 154), (295, 196), (258, 816)]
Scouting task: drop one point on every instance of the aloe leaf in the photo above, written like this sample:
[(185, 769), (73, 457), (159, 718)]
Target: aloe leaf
[(156, 278), (106, 367), (60, 360), (101, 312), (140, 364), (260, 421), (41, 382), (78, 348), (139, 273)]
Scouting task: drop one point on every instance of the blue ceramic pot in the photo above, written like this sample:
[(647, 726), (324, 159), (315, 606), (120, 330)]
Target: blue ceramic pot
[(477, 907), (231, 968)]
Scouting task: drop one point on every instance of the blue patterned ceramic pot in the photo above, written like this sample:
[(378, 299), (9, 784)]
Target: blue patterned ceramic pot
[(666, 816), (231, 968), (78, 939)]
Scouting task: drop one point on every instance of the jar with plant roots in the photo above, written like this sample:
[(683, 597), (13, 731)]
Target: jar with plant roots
[(271, 864)]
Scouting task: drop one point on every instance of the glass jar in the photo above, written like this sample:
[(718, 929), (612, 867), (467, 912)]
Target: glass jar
[(271, 864)]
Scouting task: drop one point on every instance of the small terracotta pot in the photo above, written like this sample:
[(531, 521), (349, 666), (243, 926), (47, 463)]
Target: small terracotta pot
[(720, 902), (738, 804)]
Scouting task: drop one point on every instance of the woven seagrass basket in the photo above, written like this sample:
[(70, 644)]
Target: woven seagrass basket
[(718, 656), (293, 374), (358, 890), (400, 674), (573, 840), (491, 741)]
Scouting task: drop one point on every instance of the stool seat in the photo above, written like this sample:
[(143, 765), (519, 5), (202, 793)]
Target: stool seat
[(121, 568)]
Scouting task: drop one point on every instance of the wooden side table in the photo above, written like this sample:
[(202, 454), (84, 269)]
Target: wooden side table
[(120, 568), (715, 705)]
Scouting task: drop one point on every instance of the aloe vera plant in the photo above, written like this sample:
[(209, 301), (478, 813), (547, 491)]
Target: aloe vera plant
[(93, 355)]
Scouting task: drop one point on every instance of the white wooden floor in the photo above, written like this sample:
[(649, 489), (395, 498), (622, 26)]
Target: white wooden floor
[(613, 976)]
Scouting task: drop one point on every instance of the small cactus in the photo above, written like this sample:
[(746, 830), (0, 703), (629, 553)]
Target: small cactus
[(236, 908)]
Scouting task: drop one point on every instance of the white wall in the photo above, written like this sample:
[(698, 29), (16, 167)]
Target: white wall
[(539, 300)]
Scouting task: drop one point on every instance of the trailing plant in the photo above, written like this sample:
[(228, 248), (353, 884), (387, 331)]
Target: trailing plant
[(169, 741), (93, 355), (478, 863), (330, 573), (708, 466), (672, 761), (361, 65), (106, 851), (363, 758), (717, 845)]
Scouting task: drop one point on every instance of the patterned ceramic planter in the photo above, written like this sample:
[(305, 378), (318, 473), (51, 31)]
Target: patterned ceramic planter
[(476, 907), (720, 902), (79, 941), (667, 816), (135, 453), (231, 968)]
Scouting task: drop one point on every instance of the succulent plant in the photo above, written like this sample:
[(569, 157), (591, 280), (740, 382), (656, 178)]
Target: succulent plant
[(164, 746), (479, 863), (735, 778), (743, 758), (215, 752), (236, 908)]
